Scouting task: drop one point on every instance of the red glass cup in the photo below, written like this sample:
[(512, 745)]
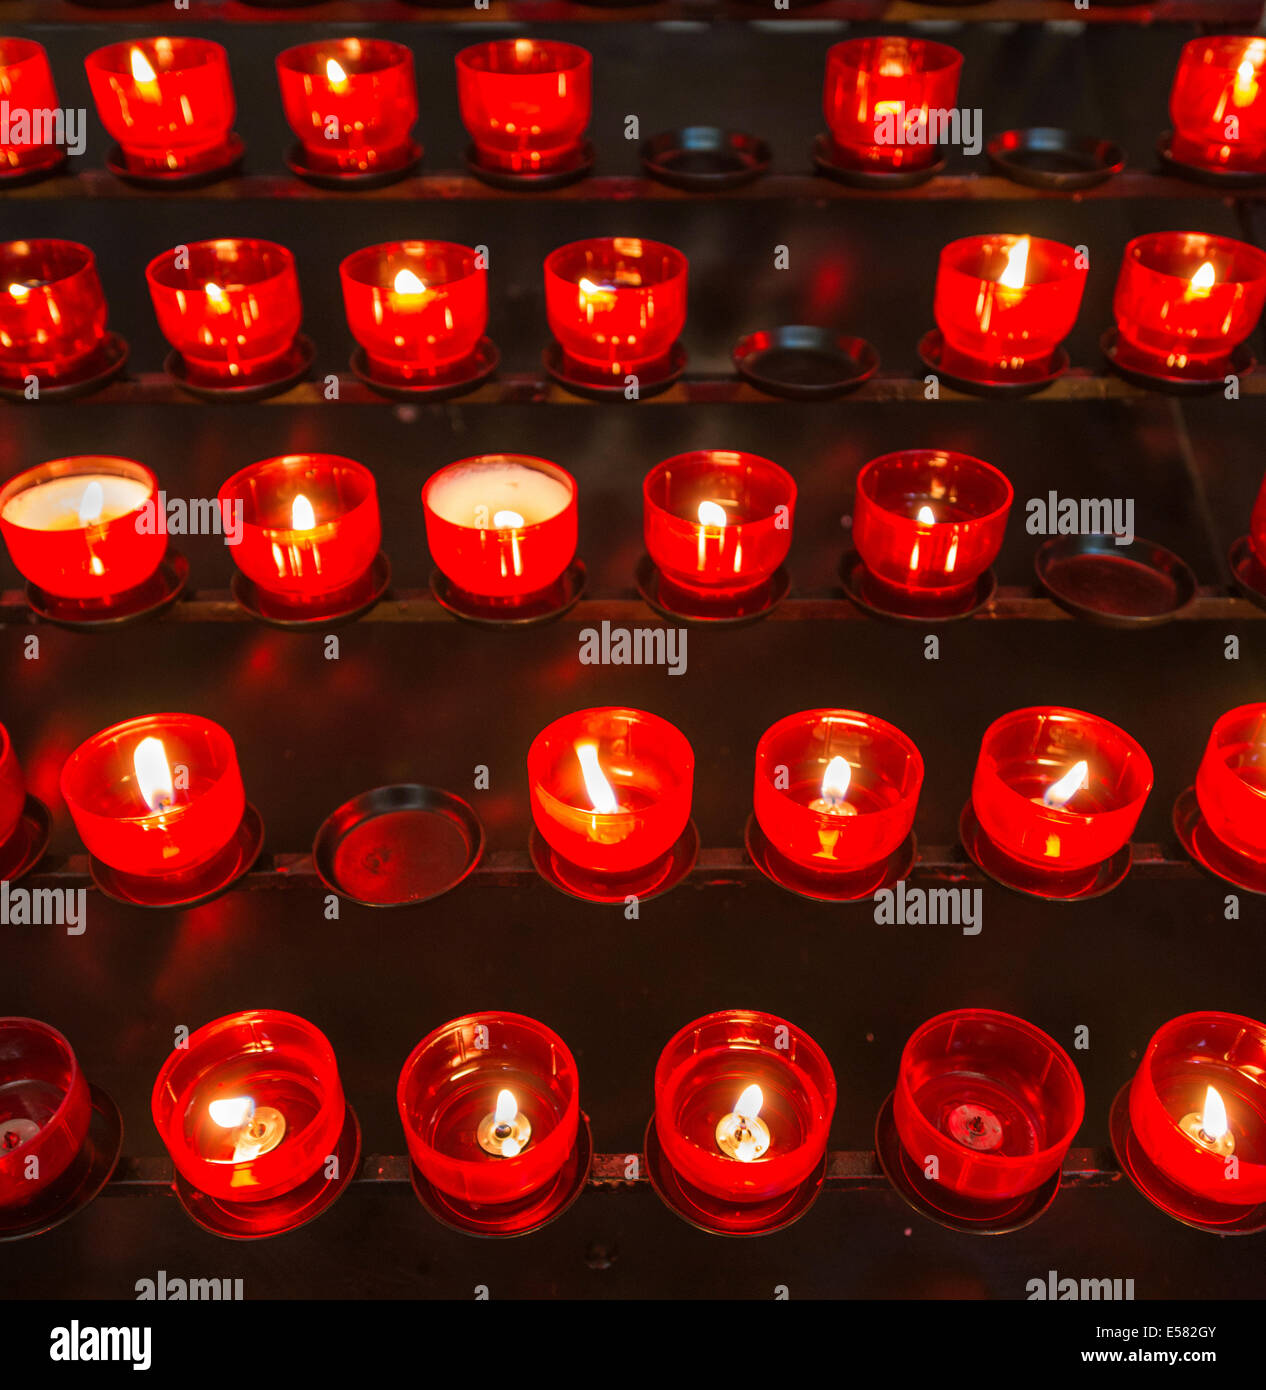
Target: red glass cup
[(471, 1149), (1005, 303), (617, 305), (501, 527), (1231, 782), (230, 308), (251, 1107), (525, 102), (928, 523), (157, 796), (718, 523), (74, 527), (30, 99), (878, 96), (1217, 104), (1187, 299), (52, 310), (1057, 789), (351, 102), (12, 787), (417, 308), (1218, 1158), (168, 102), (310, 527), (45, 1110), (992, 1099)]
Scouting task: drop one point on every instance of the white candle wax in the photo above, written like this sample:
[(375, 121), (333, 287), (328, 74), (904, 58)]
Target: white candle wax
[(70, 502), (473, 494)]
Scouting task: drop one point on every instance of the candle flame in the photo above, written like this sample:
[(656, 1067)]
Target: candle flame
[(142, 71), (523, 49), (1244, 93), (214, 292), (1017, 265), (1214, 1124), (232, 1113), (711, 514), (19, 291), (91, 503), (748, 1105), (153, 774), (406, 282), (335, 74), (598, 789), (1059, 793), (506, 1109), (507, 521), (1204, 279), (835, 782), (302, 517), (926, 516)]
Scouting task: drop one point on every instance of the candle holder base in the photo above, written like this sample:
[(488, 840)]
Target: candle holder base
[(882, 601), (1154, 374), (833, 163), (597, 387), (26, 174), (541, 607), (1073, 885), (681, 605), (1203, 173), (1050, 158), (650, 882), (80, 1183), (801, 362), (277, 1215), (578, 165), (1213, 855), (1247, 571), (704, 158), (227, 164), (1122, 586), (398, 845), (280, 376), (193, 887), (28, 840), (352, 180), (158, 592), (343, 606), (1026, 380), (827, 886), (520, 1218), (947, 1208), (457, 380), (1199, 1212), (717, 1216), (91, 375)]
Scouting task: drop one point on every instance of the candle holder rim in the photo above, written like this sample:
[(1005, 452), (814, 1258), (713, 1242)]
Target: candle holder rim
[(1059, 256), (135, 470), (1136, 248), (74, 250), (680, 265), (350, 265), (16, 49), (233, 488), (58, 1038), (1232, 46), (202, 51), (277, 262), (948, 57), (872, 722), (995, 476), (532, 461), (396, 55), (1220, 725), (575, 55), (741, 458)]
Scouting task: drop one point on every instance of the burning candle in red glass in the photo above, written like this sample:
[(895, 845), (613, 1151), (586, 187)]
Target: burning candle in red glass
[(989, 1104), (743, 1108), (1218, 107), (418, 310), (1221, 821), (310, 532), (1003, 306), (490, 1106), (29, 147), (927, 524), (231, 311), (834, 803), (251, 1110), (526, 104), (169, 104), (1055, 798), (718, 527), (1184, 303), (610, 791), (616, 306), (501, 529), (353, 104)]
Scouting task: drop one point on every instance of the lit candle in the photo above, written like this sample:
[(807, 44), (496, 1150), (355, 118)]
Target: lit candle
[(742, 1134), (1210, 1128), (26, 85), (1062, 791), (1216, 107), (52, 312), (506, 1131), (250, 1130)]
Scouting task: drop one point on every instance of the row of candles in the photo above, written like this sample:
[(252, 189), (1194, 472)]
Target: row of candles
[(252, 1112), (352, 104)]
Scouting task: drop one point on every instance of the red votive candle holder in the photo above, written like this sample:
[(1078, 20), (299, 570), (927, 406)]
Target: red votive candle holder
[(1221, 821), (1054, 800), (12, 789), (718, 527), (1003, 306), (985, 1109), (25, 822), (743, 1109), (352, 103), (610, 791), (928, 525), (418, 310), (169, 104), (834, 802), (1217, 105), (616, 306), (1190, 1129), (501, 529), (52, 314), (30, 147), (252, 1112), (230, 310), (1184, 303), (490, 1105), (526, 103)]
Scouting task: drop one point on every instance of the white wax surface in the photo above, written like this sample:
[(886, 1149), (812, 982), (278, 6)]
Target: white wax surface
[(473, 494), (54, 505)]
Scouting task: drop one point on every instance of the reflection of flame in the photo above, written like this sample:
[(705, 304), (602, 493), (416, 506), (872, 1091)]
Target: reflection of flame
[(598, 789), (593, 293), (1244, 93), (711, 514), (505, 521), (925, 517), (523, 49), (142, 71), (1203, 280), (215, 294), (835, 782), (1214, 1124), (335, 74), (406, 282), (1058, 794), (302, 517), (19, 291), (153, 774), (232, 1113), (91, 503), (1017, 265)]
